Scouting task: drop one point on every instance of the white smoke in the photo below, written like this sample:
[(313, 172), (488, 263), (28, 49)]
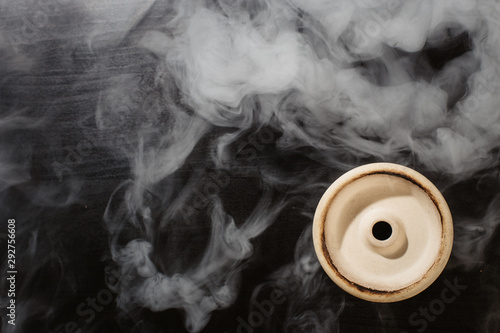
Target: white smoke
[(293, 66), (205, 287), (220, 57)]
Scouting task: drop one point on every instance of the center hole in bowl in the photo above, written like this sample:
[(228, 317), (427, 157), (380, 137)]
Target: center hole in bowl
[(382, 230)]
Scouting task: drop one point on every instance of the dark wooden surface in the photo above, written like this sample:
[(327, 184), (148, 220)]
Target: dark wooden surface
[(81, 106)]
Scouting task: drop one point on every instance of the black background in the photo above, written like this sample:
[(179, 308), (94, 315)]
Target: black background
[(61, 172)]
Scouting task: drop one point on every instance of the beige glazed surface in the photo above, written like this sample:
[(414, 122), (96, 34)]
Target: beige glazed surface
[(383, 232)]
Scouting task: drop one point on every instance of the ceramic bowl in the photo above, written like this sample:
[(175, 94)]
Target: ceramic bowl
[(383, 232)]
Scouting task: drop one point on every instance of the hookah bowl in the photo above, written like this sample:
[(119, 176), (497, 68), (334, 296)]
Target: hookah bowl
[(383, 232)]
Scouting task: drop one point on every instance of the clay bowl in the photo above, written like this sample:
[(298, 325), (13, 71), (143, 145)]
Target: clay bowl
[(383, 232)]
